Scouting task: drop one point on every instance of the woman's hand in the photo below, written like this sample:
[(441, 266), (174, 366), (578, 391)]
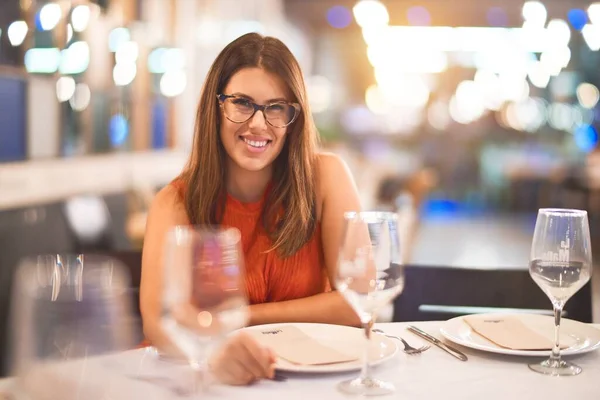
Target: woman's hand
[(241, 360)]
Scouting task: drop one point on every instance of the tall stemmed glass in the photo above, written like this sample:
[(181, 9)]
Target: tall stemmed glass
[(66, 308), (369, 276), (561, 264), (203, 294)]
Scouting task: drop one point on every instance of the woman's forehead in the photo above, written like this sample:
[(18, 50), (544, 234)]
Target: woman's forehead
[(257, 84)]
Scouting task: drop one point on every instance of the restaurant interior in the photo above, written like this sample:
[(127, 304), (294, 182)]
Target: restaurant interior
[(465, 118)]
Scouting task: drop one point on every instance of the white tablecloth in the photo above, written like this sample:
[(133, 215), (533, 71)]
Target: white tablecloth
[(431, 375)]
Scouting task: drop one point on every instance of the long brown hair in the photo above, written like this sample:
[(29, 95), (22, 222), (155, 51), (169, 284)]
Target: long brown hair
[(289, 213)]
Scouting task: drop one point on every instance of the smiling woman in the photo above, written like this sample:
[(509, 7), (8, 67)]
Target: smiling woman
[(255, 166)]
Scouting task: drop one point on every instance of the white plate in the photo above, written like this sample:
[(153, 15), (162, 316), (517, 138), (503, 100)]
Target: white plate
[(585, 338), (342, 338)]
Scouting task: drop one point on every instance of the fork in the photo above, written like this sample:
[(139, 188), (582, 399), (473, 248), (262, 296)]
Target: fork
[(408, 349)]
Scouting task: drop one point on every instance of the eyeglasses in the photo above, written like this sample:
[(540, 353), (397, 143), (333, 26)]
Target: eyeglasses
[(239, 110)]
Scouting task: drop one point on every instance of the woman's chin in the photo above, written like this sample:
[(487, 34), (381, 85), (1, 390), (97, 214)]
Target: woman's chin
[(253, 164)]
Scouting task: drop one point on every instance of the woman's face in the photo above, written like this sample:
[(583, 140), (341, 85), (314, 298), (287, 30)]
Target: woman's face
[(254, 144)]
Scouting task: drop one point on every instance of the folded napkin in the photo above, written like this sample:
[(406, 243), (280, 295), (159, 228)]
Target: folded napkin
[(512, 333), (292, 344)]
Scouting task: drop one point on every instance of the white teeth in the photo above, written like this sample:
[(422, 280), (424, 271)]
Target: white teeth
[(255, 143)]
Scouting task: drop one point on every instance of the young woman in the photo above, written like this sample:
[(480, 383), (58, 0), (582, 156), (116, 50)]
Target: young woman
[(255, 166)]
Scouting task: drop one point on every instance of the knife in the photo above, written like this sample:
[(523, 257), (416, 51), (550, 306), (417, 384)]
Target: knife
[(448, 349)]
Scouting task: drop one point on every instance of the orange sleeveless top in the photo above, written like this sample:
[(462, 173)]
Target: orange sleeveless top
[(268, 277)]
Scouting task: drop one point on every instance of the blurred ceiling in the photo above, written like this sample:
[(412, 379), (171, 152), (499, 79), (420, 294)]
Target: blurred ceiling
[(311, 17), (443, 12)]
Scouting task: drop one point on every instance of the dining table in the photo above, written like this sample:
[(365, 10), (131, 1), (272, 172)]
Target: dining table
[(433, 374)]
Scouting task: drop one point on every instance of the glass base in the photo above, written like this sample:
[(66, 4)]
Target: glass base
[(556, 368), (366, 387)]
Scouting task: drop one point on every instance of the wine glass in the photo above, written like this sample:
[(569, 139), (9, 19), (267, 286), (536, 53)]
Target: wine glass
[(64, 309), (561, 264), (370, 275), (203, 297)]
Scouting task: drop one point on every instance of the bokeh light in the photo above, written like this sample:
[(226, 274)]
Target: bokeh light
[(578, 18), (339, 17), (419, 16)]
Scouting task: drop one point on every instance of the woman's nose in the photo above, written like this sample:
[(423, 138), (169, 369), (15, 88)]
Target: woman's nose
[(258, 121)]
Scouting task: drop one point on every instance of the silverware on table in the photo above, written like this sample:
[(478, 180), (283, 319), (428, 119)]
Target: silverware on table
[(408, 349), (277, 377), (448, 349)]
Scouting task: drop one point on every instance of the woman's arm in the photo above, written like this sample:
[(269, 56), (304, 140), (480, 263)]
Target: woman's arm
[(338, 195), (166, 211)]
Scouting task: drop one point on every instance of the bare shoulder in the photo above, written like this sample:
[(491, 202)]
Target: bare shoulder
[(332, 170), (167, 207), (167, 210), (336, 185), (328, 160)]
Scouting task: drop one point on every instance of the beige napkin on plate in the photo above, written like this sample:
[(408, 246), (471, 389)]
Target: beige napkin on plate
[(511, 332), (292, 344)]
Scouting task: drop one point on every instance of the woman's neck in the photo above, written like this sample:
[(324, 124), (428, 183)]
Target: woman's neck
[(247, 186)]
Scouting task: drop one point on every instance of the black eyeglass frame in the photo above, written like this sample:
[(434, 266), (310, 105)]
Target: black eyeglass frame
[(257, 107)]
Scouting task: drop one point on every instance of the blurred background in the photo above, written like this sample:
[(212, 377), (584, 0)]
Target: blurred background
[(465, 116)]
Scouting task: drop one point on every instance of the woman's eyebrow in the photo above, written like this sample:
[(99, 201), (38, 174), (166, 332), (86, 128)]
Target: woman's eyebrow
[(246, 96)]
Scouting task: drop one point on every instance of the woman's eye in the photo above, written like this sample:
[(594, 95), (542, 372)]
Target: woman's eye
[(277, 107), (241, 102)]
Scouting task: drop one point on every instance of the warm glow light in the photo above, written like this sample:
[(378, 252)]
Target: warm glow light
[(554, 60), (503, 60), (591, 35), (587, 95), (124, 74), (594, 13), (25, 4), (69, 33), (402, 120), (375, 100), (50, 15), (457, 113), (534, 13), (81, 97), (491, 88), (538, 75), (80, 17), (451, 39), (65, 88), (75, 59), (511, 117), (17, 32), (375, 34), (561, 116), (467, 104), (127, 52), (370, 13), (401, 61), (559, 32), (404, 90), (173, 83), (514, 87), (438, 116), (320, 93), (530, 114)]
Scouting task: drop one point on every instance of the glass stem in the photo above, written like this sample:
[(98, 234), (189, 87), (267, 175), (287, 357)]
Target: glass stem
[(365, 372), (200, 369), (555, 357)]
